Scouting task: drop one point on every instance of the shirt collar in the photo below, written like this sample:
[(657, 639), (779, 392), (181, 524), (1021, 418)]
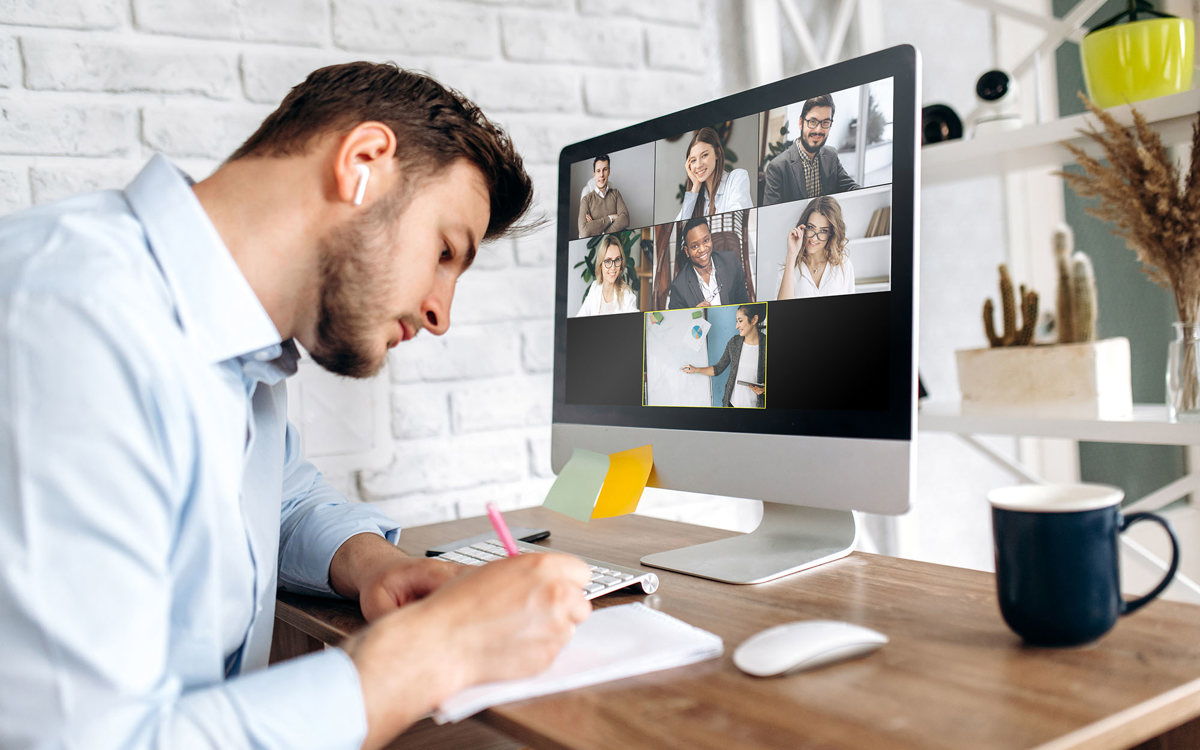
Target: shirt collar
[(804, 154), (215, 304), (604, 192), (271, 364), (712, 276)]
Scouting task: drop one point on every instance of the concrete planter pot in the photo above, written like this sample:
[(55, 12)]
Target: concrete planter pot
[(1085, 381)]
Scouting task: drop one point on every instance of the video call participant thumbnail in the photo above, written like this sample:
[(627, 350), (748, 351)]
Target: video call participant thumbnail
[(809, 167), (709, 188), (817, 264), (709, 278), (747, 384), (609, 293), (602, 209)]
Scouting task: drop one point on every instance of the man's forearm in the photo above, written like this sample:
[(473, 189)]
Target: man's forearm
[(359, 559)]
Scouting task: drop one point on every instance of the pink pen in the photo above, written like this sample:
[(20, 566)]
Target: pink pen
[(506, 537)]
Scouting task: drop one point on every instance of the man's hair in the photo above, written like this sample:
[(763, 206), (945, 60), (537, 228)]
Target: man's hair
[(698, 221), (681, 253), (822, 100), (601, 158), (434, 126)]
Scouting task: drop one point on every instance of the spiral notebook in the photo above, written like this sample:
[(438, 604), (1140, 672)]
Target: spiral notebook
[(614, 642)]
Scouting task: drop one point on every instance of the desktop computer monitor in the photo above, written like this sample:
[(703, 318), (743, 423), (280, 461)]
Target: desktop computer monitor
[(736, 286)]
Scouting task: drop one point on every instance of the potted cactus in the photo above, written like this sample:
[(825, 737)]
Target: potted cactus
[(1073, 376)]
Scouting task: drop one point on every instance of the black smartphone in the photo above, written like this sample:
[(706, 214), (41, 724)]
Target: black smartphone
[(518, 532)]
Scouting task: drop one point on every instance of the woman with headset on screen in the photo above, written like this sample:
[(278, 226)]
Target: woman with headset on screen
[(747, 383), (709, 188), (609, 293), (817, 264)]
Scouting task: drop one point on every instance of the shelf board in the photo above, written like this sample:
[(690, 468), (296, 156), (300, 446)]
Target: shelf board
[(863, 192), (879, 239), (1040, 146), (1147, 425)]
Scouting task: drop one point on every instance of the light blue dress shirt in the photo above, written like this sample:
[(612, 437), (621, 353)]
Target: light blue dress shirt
[(152, 492)]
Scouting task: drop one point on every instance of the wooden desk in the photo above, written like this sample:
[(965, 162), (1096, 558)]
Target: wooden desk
[(953, 675)]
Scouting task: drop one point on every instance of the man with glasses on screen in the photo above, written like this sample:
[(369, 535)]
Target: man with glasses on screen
[(809, 167)]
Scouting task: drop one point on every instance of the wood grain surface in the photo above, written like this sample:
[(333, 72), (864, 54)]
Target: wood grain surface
[(953, 675)]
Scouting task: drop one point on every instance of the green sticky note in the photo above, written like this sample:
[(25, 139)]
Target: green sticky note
[(578, 485), (658, 317), (697, 313)]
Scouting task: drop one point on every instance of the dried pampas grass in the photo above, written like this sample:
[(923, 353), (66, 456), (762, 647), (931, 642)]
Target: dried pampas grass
[(1156, 210)]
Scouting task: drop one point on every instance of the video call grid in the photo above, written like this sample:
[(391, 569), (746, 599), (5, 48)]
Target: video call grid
[(764, 195)]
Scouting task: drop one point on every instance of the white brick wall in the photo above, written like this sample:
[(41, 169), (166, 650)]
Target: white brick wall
[(10, 63), (90, 89), (457, 30), (304, 22), (89, 15), (114, 67)]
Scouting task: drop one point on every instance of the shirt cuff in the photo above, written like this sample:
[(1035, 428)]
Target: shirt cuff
[(311, 701), (304, 562)]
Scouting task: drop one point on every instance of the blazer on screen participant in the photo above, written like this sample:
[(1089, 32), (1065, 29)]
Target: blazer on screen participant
[(712, 278), (808, 167)]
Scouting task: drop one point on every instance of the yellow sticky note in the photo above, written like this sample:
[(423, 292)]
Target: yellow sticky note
[(628, 472)]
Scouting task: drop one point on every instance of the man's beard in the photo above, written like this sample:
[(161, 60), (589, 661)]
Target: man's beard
[(811, 150), (352, 281)]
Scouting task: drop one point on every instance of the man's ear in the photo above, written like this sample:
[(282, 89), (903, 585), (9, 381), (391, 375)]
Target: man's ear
[(369, 146)]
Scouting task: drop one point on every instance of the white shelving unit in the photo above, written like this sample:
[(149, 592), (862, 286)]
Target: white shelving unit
[(872, 267), (1034, 146), (871, 255), (1147, 425)]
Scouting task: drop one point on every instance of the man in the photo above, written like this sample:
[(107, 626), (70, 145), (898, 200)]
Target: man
[(808, 167), (712, 278), (602, 209), (153, 493)]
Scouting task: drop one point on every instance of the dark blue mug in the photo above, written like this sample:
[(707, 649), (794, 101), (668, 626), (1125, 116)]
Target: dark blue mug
[(1058, 564)]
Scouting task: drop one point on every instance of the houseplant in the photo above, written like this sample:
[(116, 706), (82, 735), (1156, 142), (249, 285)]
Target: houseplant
[(1156, 209), (1075, 376)]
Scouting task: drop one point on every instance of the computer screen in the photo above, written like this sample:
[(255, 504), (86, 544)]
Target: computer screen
[(736, 286)]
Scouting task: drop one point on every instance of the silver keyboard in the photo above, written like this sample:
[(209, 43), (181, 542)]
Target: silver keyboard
[(606, 577)]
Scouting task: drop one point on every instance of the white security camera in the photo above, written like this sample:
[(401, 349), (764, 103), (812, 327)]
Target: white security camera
[(996, 91)]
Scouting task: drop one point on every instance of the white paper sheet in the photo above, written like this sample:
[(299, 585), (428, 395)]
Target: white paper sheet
[(615, 642)]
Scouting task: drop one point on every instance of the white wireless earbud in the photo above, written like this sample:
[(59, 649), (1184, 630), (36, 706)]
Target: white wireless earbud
[(360, 190)]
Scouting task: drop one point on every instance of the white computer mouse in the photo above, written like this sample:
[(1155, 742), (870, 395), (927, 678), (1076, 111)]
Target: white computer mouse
[(796, 646)]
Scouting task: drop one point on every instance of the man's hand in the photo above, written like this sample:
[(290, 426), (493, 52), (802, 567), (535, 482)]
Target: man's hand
[(369, 568), (504, 620), (513, 616)]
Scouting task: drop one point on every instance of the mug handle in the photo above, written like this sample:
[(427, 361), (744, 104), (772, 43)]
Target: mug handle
[(1133, 605)]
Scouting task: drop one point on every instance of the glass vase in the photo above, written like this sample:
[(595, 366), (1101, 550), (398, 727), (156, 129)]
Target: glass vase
[(1183, 374)]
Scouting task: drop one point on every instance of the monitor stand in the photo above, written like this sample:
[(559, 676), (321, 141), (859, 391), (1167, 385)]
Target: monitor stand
[(789, 539)]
